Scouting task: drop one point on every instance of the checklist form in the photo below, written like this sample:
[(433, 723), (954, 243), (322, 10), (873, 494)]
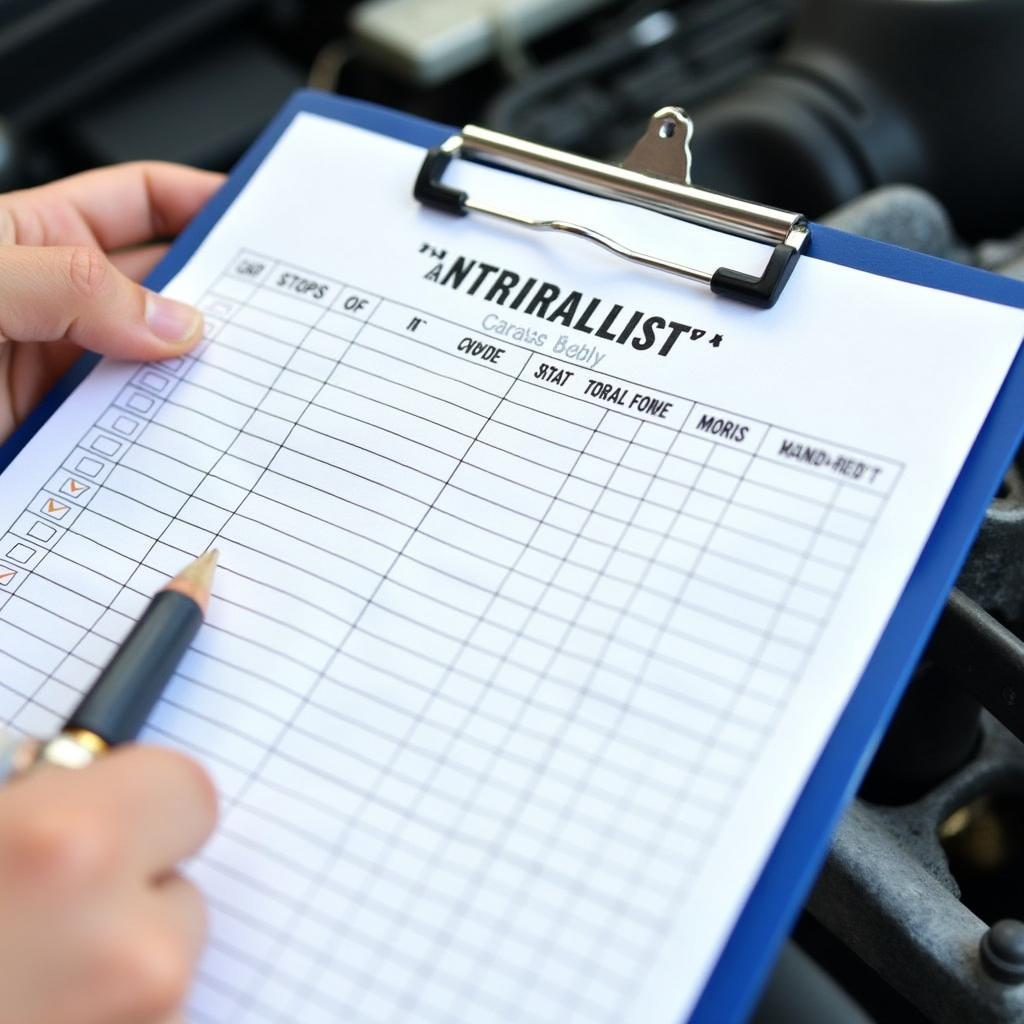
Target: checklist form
[(530, 622)]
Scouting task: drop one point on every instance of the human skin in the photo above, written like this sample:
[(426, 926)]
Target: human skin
[(71, 254), (96, 926)]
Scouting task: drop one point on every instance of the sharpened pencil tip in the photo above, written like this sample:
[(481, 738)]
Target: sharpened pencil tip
[(196, 580)]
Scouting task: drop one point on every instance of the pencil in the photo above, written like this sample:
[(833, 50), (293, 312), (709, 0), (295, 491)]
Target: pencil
[(119, 701)]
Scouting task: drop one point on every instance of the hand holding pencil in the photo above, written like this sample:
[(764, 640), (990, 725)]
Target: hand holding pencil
[(100, 928), (125, 692)]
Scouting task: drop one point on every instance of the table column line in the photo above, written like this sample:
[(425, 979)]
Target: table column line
[(194, 357), (315, 880)]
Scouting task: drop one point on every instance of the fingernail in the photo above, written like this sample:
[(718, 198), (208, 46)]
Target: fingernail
[(171, 321)]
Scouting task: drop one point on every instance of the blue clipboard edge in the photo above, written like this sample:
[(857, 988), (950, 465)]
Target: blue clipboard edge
[(794, 863)]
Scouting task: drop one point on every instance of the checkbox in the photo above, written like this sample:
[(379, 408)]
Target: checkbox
[(154, 381), (7, 576), (40, 531), (75, 487), (89, 467), (126, 425), (105, 445), (21, 553), (54, 509), (140, 402), (173, 365)]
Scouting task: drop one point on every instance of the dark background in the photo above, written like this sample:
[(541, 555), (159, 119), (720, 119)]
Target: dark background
[(897, 119)]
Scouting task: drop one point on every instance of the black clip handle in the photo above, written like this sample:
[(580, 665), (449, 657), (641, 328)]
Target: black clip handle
[(762, 291), (429, 190)]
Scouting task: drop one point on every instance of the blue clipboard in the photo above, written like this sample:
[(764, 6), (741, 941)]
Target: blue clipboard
[(790, 871)]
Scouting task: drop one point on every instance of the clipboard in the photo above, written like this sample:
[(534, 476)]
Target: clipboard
[(790, 871)]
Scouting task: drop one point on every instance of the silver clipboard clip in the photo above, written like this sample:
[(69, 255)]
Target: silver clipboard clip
[(655, 175)]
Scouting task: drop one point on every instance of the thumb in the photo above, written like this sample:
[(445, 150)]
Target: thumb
[(75, 293)]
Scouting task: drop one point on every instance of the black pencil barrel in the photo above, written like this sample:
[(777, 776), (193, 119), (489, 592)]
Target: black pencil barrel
[(118, 703)]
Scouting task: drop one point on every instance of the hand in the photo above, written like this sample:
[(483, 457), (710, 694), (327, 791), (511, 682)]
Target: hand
[(61, 292), (95, 925)]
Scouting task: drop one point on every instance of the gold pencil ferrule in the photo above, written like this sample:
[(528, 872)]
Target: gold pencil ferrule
[(96, 745), (73, 748)]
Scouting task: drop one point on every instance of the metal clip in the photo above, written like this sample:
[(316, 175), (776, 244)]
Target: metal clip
[(656, 175)]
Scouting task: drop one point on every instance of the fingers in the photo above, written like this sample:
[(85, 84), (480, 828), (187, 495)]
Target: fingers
[(162, 803), (75, 293), (137, 263), (144, 952), (133, 815), (98, 928), (180, 908), (122, 205)]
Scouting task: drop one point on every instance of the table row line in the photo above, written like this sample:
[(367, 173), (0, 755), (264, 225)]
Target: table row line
[(445, 349), (420, 372), (682, 702), (655, 628), (306, 379), (503, 444), (150, 489), (650, 553)]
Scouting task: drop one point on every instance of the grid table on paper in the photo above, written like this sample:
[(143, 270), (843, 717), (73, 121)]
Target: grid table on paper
[(487, 656)]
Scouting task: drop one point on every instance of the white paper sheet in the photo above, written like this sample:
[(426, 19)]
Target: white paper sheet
[(518, 656)]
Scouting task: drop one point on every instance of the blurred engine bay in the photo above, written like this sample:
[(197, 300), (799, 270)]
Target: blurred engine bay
[(895, 119)]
